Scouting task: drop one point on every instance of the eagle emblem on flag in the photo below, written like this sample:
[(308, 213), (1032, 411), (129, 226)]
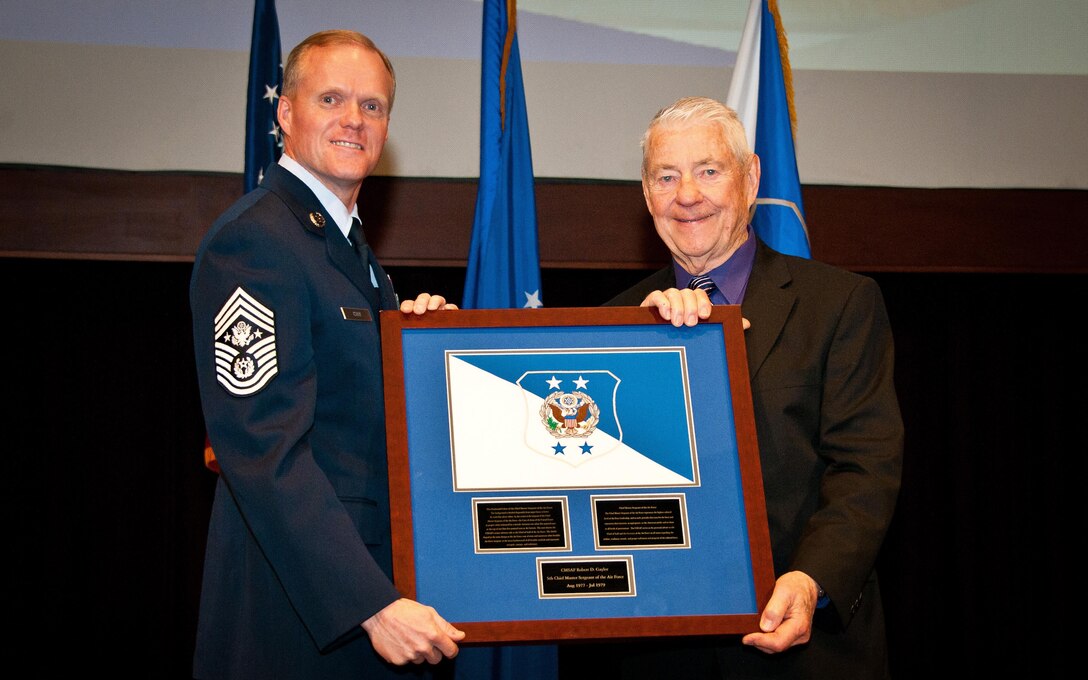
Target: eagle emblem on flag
[(570, 414)]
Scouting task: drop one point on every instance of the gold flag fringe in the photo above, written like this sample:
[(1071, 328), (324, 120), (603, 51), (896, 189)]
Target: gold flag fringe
[(508, 43), (784, 53)]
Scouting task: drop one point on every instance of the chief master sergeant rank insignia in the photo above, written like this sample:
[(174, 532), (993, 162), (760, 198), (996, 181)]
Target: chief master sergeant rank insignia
[(245, 345)]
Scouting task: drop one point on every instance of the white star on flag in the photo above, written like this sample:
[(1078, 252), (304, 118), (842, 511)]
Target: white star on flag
[(532, 300)]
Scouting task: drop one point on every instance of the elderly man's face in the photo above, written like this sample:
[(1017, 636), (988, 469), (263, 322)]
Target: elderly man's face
[(698, 196), (337, 120)]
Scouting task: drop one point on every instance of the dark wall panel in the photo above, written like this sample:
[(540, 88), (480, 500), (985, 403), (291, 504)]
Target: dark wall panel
[(106, 214)]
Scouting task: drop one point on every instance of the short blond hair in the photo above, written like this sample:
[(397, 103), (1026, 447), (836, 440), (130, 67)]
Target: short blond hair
[(292, 71)]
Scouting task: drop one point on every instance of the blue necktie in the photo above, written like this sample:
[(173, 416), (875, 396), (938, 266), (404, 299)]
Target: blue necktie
[(703, 281), (370, 264)]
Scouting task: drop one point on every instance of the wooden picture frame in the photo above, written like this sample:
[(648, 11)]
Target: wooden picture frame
[(575, 473)]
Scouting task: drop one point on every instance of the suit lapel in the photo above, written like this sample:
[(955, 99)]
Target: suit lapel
[(767, 305), (344, 258), (311, 216), (385, 284)]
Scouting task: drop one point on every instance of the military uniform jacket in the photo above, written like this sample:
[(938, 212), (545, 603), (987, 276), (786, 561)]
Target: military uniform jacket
[(820, 361), (298, 551)]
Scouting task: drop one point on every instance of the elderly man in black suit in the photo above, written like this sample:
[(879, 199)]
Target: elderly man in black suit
[(820, 359)]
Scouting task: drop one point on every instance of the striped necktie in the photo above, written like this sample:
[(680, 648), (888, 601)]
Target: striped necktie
[(703, 281)]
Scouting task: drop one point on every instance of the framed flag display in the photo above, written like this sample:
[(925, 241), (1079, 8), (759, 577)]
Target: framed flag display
[(578, 473)]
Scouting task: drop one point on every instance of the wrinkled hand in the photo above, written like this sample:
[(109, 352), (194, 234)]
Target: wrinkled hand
[(424, 303), (787, 618), (409, 632), (683, 307)]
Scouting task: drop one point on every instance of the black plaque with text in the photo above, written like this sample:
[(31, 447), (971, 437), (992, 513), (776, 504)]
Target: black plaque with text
[(640, 521), (504, 525)]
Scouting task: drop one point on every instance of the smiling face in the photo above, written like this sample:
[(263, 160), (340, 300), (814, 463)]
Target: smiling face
[(697, 193), (336, 120)]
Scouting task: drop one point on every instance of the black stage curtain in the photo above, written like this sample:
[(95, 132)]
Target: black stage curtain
[(108, 499)]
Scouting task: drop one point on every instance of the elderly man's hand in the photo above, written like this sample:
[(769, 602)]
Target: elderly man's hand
[(787, 619), (683, 307)]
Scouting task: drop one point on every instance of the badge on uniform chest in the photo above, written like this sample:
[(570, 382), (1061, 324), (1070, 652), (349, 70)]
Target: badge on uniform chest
[(356, 314)]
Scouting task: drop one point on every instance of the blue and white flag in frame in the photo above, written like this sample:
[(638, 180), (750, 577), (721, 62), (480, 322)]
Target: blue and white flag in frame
[(570, 418)]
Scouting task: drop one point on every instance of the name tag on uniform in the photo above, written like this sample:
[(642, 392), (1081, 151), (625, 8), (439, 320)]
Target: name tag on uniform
[(356, 314)]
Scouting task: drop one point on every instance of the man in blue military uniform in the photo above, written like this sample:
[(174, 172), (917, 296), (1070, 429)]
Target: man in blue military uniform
[(285, 296)]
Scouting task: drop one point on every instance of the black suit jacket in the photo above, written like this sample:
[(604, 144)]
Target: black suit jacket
[(298, 551), (820, 360)]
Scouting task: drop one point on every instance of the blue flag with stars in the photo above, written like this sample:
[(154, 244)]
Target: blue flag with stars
[(263, 141), (503, 260)]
